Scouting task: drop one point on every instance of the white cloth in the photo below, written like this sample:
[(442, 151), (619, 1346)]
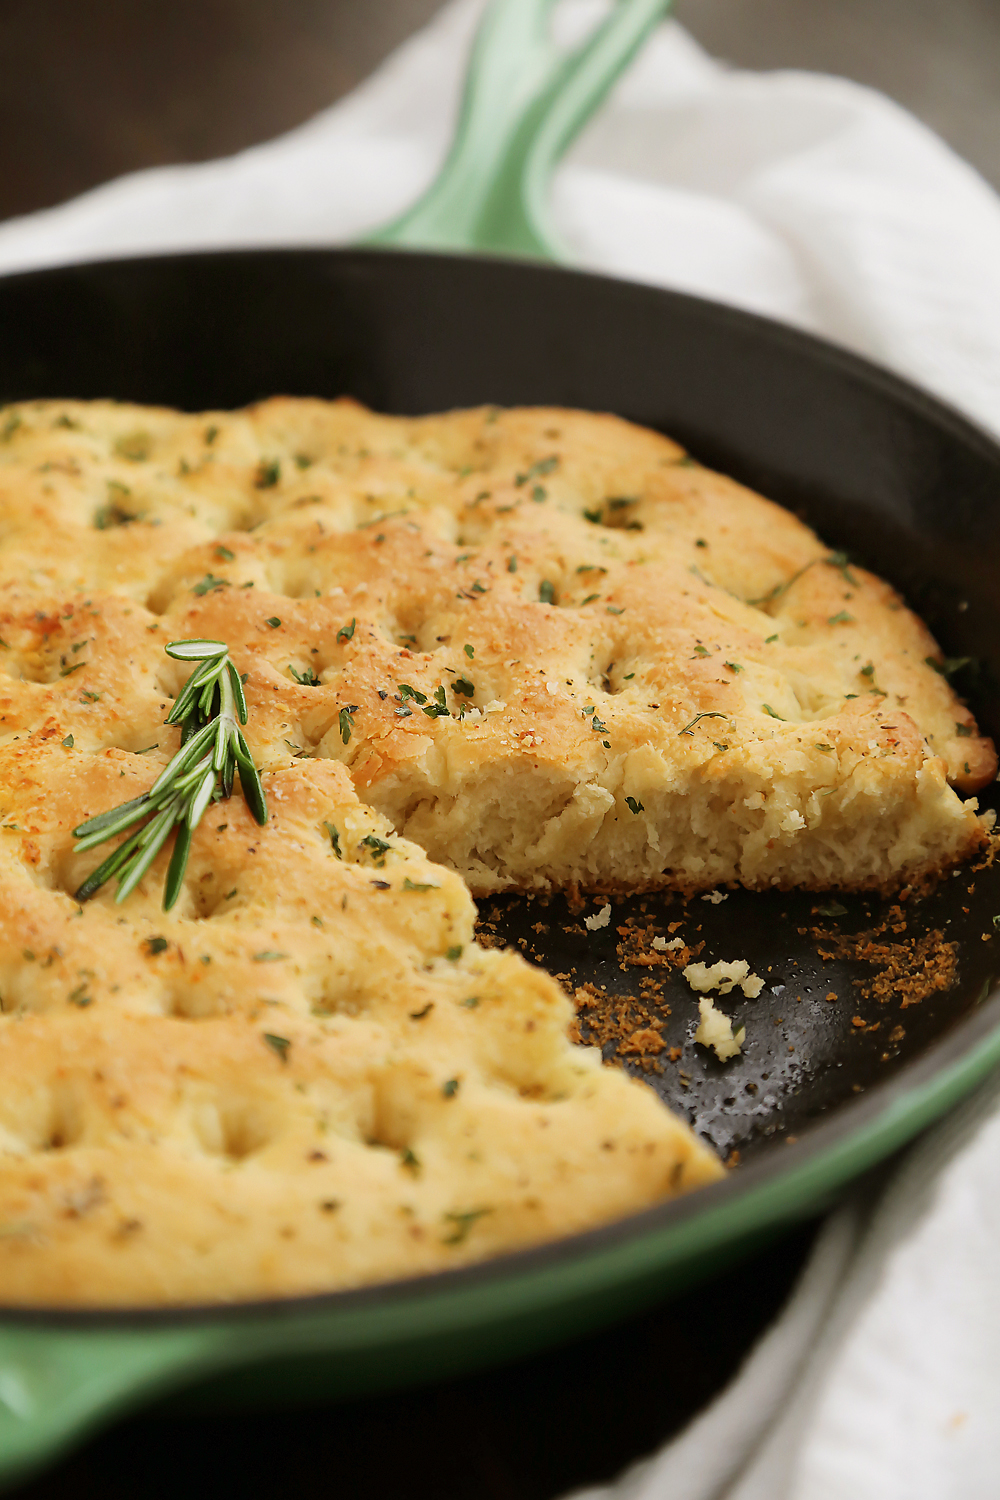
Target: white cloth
[(823, 204)]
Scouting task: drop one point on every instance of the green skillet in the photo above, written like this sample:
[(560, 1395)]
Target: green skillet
[(887, 474)]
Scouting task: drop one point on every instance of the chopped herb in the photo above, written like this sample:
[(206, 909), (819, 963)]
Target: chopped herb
[(306, 678), (208, 583), (10, 426), (80, 997), (700, 542), (107, 516), (454, 953), (334, 839), (720, 745), (822, 747), (470, 651), (68, 742), (278, 1044), (868, 670), (628, 677), (470, 1002), (273, 621), (268, 956), (512, 564), (538, 493), (463, 1223), (700, 651), (156, 945), (634, 806), (612, 609), (589, 599), (224, 553), (733, 666), (949, 665), (379, 848), (68, 671), (546, 592), (450, 1089), (267, 474), (406, 691), (409, 1161), (537, 470), (769, 641), (417, 885), (439, 708), (597, 725), (594, 515), (841, 618), (346, 632), (418, 1015), (831, 909), (347, 722), (839, 560), (211, 433), (303, 461), (769, 710), (464, 686), (689, 728), (961, 729)]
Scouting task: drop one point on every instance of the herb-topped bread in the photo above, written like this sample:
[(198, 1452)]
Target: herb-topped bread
[(544, 647)]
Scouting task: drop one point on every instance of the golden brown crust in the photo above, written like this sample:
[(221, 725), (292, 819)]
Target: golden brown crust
[(540, 643)]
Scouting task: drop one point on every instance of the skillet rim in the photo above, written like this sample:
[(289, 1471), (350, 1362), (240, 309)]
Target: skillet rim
[(849, 1123)]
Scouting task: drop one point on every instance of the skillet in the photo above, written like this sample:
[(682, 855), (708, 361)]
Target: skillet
[(825, 1088)]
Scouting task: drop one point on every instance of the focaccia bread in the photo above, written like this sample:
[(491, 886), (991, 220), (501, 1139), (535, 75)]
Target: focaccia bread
[(541, 645)]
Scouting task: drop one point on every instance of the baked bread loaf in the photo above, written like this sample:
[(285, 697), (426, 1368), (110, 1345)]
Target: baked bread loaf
[(544, 647)]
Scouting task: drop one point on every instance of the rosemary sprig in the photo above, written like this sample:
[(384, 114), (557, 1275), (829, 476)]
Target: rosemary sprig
[(210, 709)]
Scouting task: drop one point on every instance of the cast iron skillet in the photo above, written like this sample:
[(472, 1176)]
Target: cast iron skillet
[(825, 1086)]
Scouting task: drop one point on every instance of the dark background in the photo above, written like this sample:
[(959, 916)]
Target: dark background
[(94, 89)]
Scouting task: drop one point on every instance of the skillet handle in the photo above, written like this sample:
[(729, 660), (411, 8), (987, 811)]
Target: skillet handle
[(57, 1384), (525, 102)]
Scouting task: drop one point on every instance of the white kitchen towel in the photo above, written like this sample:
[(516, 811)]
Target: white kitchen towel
[(823, 204)]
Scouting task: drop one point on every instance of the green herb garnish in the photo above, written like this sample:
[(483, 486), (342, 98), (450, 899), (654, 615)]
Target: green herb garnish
[(634, 806), (279, 1044), (346, 632), (209, 709), (689, 728), (546, 592)]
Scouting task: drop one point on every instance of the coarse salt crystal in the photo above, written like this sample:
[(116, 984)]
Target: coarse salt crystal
[(600, 919)]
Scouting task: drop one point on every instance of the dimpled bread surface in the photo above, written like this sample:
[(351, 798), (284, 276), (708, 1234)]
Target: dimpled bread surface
[(484, 650)]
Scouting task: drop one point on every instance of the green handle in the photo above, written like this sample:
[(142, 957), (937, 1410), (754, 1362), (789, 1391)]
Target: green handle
[(525, 103), (56, 1384)]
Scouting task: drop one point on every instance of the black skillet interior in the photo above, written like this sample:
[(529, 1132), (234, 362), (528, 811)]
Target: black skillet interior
[(854, 986)]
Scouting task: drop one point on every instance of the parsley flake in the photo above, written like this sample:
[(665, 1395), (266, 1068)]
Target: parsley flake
[(689, 728), (634, 806), (278, 1044), (346, 632), (209, 583), (347, 722)]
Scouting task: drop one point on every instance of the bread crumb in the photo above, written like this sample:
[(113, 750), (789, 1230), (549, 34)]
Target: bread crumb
[(600, 919), (716, 1031), (716, 896), (724, 977), (662, 946)]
